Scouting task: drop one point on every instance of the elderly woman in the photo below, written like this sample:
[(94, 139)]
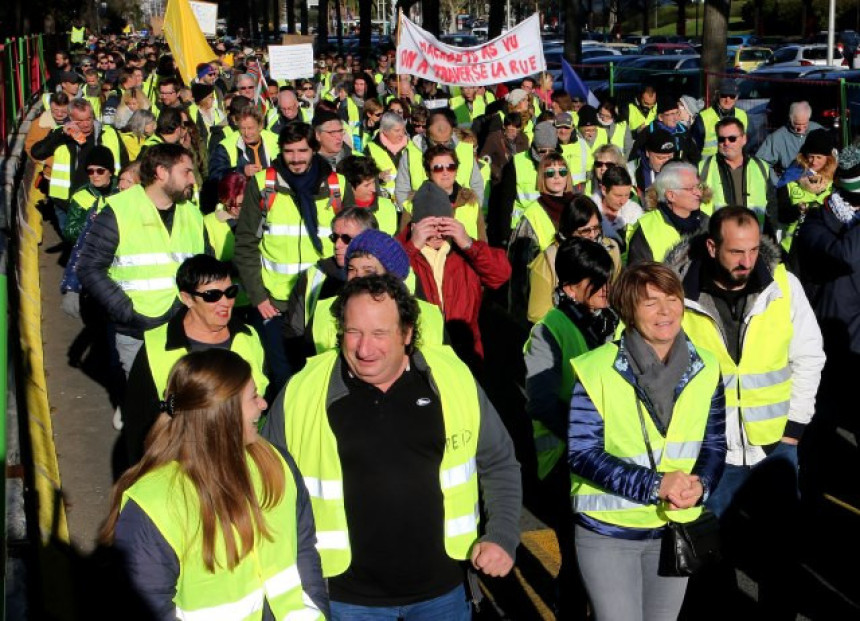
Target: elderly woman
[(579, 322), (362, 176), (652, 396), (140, 127), (387, 147), (580, 219)]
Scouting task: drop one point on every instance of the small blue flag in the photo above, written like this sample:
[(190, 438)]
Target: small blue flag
[(574, 85)]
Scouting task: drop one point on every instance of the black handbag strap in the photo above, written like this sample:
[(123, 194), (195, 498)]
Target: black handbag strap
[(645, 435)]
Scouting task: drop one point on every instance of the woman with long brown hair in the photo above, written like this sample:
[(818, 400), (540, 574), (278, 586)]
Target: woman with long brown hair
[(213, 520)]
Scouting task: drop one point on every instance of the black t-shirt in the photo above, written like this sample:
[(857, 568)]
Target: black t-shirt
[(391, 446)]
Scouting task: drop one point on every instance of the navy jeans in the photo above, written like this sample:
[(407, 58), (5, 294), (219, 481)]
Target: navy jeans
[(734, 477), (453, 606)]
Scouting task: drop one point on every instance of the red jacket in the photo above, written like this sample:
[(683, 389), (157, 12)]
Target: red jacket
[(466, 273)]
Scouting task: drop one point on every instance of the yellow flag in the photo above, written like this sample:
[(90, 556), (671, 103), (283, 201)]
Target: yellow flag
[(187, 43)]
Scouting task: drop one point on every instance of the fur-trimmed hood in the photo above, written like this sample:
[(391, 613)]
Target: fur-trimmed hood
[(693, 250)]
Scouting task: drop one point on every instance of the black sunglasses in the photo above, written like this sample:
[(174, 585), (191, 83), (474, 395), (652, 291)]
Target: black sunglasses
[(213, 295), (345, 238), (732, 139)]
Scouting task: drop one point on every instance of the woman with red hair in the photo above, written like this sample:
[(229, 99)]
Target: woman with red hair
[(221, 223)]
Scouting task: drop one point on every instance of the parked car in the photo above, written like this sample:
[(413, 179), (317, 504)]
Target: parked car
[(802, 56), (733, 42), (594, 51), (748, 58), (668, 49)]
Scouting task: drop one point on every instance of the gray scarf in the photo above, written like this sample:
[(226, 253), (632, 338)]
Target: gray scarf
[(656, 379)]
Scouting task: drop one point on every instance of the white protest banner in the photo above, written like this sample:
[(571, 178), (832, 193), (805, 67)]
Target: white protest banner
[(512, 56), (207, 16), (291, 62)]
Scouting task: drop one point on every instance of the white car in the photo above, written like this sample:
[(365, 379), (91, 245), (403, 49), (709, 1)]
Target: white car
[(802, 56)]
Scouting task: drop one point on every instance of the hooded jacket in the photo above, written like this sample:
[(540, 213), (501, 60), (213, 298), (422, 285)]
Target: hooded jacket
[(806, 353)]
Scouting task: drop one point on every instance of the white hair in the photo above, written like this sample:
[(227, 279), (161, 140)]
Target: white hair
[(799, 108), (389, 121), (669, 178)]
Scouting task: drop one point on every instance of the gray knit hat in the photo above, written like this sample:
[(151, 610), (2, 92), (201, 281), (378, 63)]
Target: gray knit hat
[(545, 136), (430, 201)]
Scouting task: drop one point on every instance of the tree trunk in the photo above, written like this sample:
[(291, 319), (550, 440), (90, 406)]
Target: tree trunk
[(291, 16), (714, 32), (303, 16), (646, 17), (338, 22), (322, 24), (430, 12), (574, 22), (758, 23), (682, 18), (365, 25), (496, 19)]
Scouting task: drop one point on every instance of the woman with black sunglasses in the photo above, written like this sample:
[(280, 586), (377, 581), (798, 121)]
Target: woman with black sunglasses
[(208, 295)]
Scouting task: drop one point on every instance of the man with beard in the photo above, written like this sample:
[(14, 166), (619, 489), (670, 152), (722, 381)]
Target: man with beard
[(283, 229), (136, 244), (745, 307)]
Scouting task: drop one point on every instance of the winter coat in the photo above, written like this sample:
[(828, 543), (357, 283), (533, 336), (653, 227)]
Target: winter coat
[(805, 354), (780, 148), (466, 273), (829, 253)]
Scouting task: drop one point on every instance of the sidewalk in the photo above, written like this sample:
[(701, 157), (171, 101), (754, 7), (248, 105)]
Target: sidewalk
[(80, 408)]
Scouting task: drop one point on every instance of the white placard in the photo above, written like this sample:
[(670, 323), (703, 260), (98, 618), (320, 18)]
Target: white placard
[(291, 62), (207, 16), (512, 56)]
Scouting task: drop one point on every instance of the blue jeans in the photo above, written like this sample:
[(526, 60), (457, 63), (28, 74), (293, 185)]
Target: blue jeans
[(734, 477), (453, 606)]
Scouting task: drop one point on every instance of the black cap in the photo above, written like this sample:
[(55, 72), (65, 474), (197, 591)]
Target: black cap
[(665, 103), (727, 86), (587, 116), (199, 92), (660, 141), (71, 76), (818, 141)]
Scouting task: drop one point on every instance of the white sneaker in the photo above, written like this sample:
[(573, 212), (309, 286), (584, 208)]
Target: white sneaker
[(117, 419)]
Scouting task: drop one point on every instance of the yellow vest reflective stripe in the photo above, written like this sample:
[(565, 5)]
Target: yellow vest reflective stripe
[(268, 573), (660, 235), (637, 119), (619, 131), (110, 138), (759, 387), (313, 287), (548, 446), (431, 324), (797, 194), (541, 224), (615, 401), (465, 156), (462, 112), (231, 145), (61, 174), (77, 35), (579, 158), (757, 177), (385, 164), (286, 249), (313, 445), (527, 191), (710, 118), (161, 360), (147, 257)]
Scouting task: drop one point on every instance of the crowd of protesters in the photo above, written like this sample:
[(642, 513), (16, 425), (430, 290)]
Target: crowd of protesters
[(294, 272)]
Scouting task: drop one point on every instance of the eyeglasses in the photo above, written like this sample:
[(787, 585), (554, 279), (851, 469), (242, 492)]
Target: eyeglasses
[(728, 96), (549, 173), (166, 92), (599, 164), (344, 238), (245, 88), (419, 125), (544, 151), (436, 168), (210, 296), (732, 139), (588, 231), (96, 170), (699, 187)]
